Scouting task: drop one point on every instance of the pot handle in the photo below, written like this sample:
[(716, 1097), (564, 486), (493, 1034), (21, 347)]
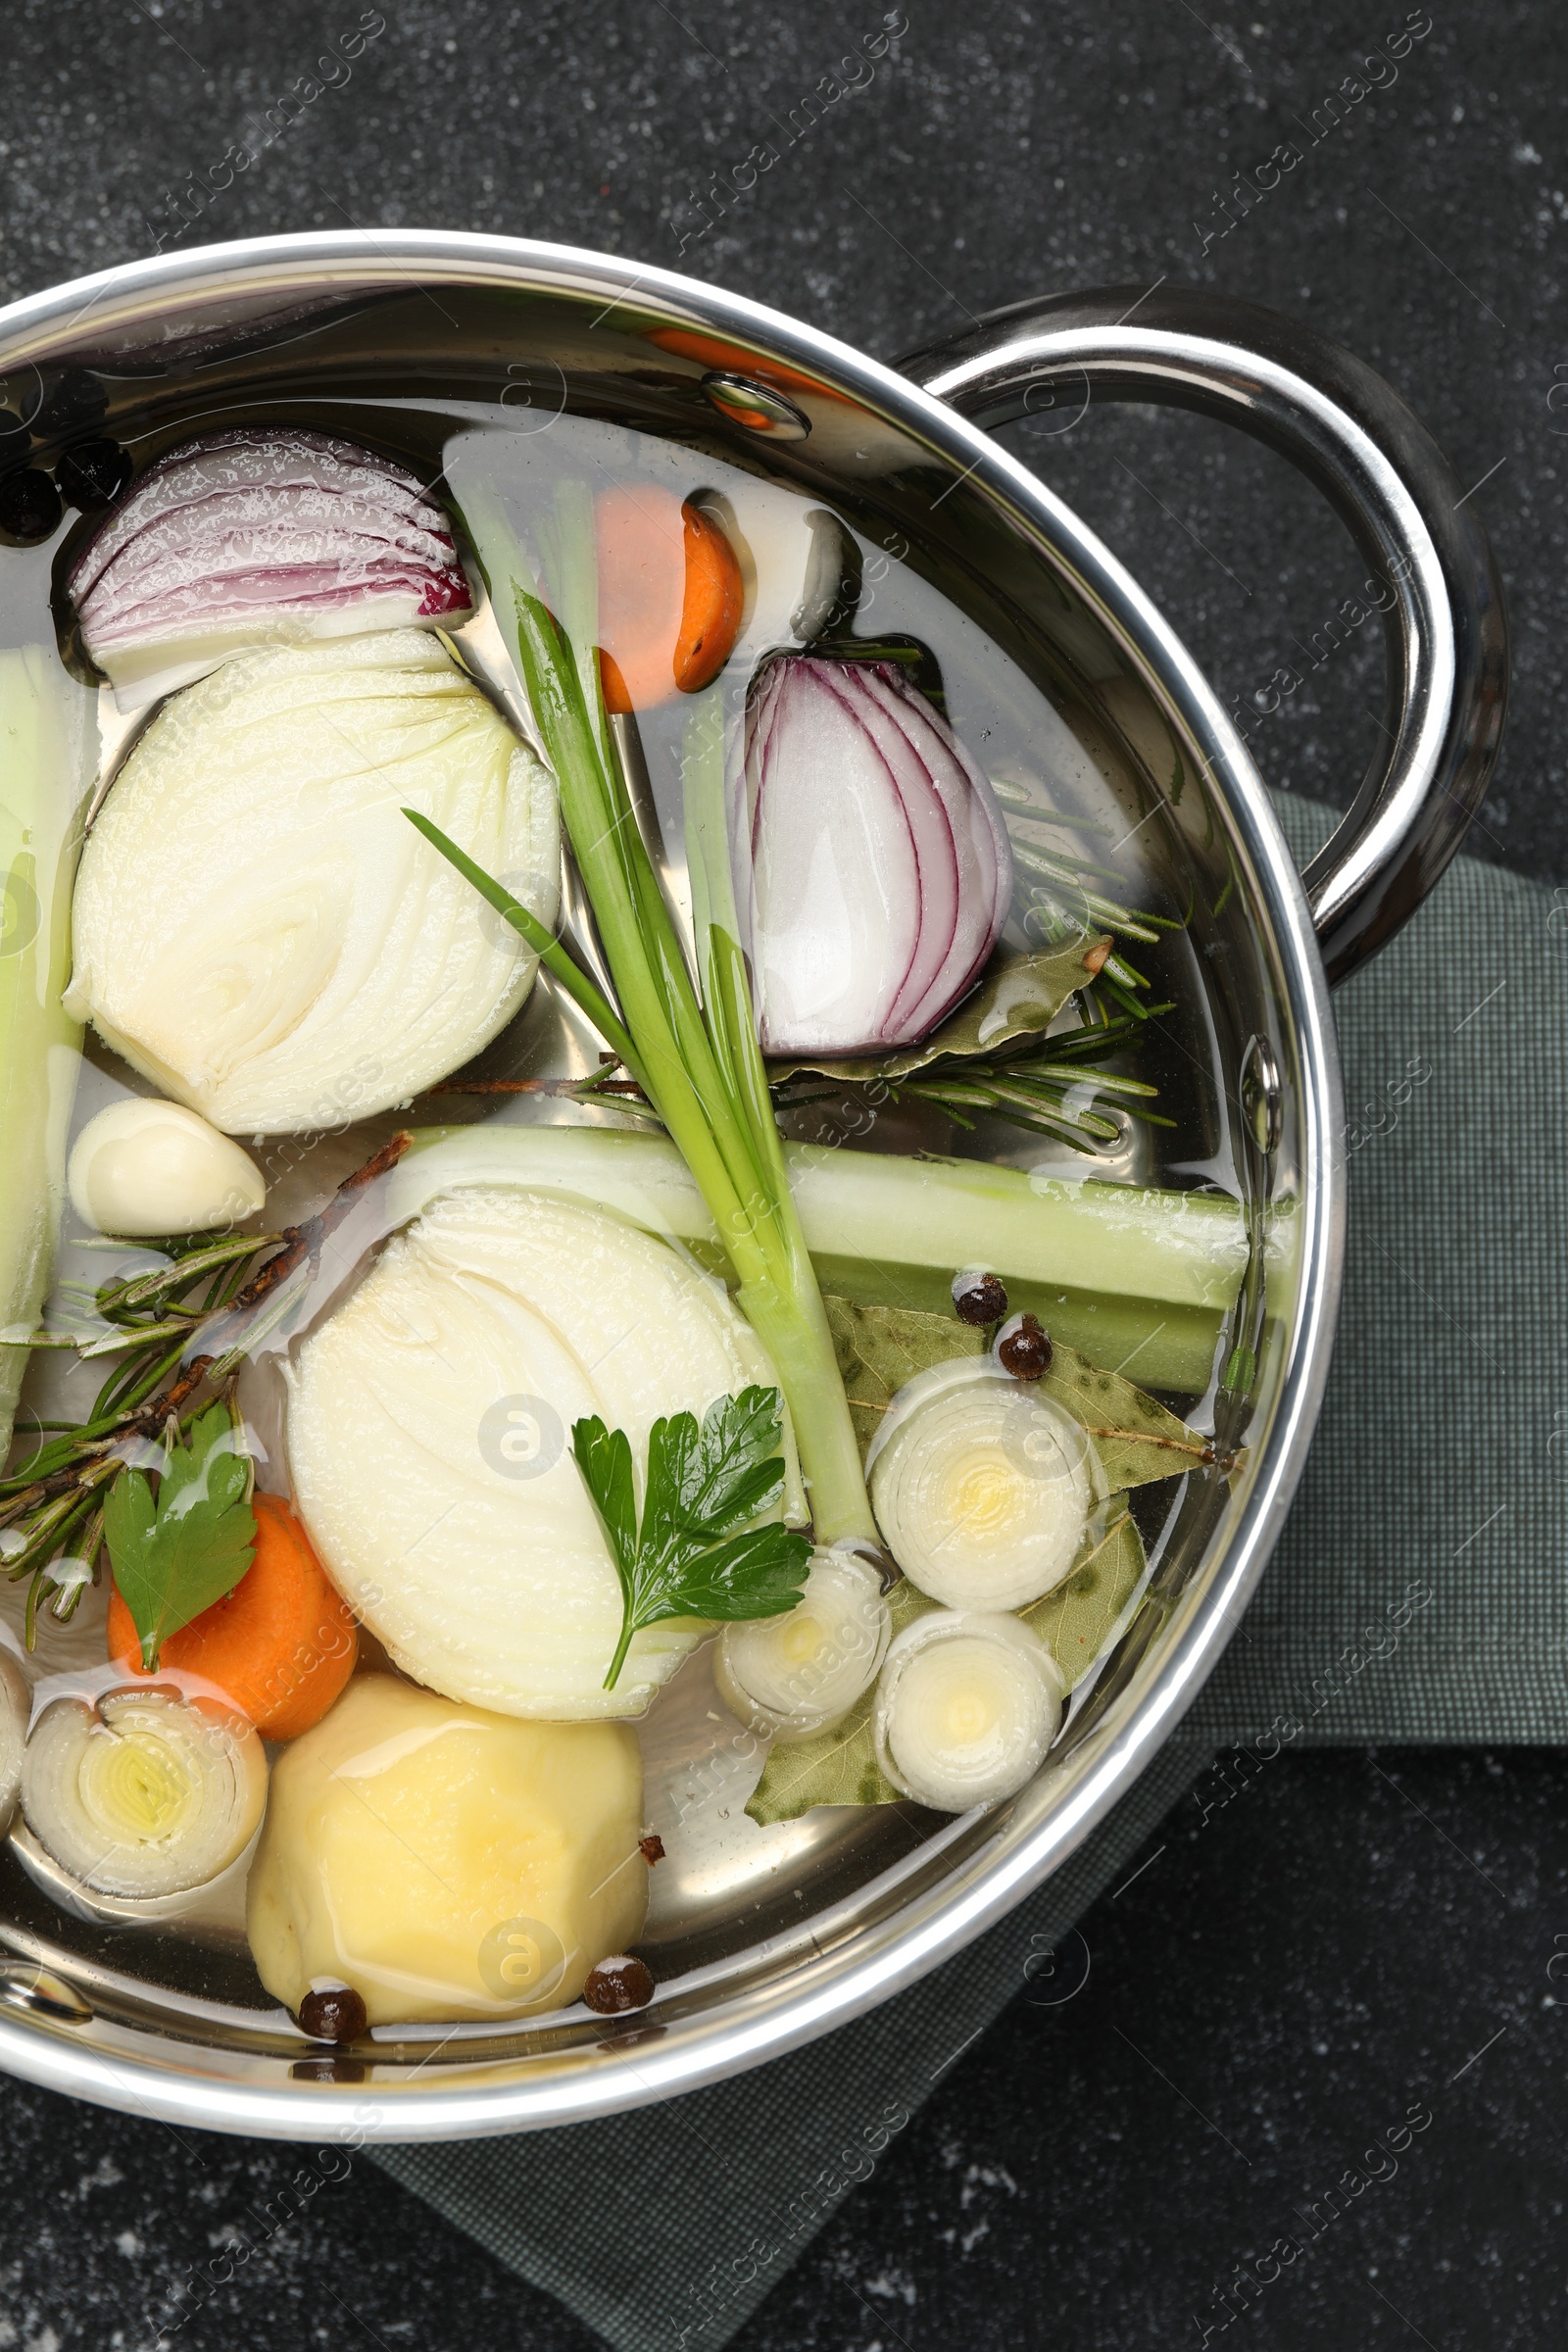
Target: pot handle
[(1350, 432)]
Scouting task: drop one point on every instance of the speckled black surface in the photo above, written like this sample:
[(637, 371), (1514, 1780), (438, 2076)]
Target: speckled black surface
[(1265, 1999), (1267, 1996)]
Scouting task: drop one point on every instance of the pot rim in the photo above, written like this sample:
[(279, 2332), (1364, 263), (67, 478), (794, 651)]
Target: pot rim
[(181, 2083)]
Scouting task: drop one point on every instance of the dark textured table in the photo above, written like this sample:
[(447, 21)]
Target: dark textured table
[(1359, 1942)]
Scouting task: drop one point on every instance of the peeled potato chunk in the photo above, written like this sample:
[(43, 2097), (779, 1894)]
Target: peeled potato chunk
[(445, 1862)]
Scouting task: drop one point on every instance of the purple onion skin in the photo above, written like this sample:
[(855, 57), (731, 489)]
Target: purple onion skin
[(259, 533), (873, 869)]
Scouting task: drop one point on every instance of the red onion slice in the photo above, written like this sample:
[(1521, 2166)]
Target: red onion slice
[(834, 887), (935, 849), (879, 871), (980, 836), (259, 534)]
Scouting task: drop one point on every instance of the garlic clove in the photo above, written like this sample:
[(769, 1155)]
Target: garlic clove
[(146, 1168)]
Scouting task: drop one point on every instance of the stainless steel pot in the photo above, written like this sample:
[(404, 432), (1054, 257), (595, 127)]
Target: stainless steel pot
[(761, 1958)]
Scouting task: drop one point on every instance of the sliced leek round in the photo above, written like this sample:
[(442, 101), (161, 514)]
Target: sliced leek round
[(792, 1676), (982, 1486), (15, 1704), (967, 1707), (143, 1794)]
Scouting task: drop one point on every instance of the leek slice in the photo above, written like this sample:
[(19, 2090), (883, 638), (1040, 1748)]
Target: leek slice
[(792, 1677), (16, 1705), (982, 1486), (145, 1793), (967, 1707)]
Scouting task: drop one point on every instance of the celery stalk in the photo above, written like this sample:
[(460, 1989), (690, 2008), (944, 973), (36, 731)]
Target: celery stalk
[(44, 778), (1138, 1280), (697, 1062)]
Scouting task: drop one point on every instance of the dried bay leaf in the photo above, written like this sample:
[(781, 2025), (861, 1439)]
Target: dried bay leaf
[(837, 1767), (1019, 995), (1074, 1621), (881, 1347)]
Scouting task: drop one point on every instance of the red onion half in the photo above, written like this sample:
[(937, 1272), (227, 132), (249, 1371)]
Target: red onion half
[(871, 859), (256, 534)]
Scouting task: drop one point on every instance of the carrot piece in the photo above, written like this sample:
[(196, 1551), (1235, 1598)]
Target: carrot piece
[(670, 594), (709, 351), (280, 1647)]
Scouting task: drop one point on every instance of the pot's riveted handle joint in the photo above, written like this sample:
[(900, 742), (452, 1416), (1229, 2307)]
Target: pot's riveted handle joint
[(1351, 433)]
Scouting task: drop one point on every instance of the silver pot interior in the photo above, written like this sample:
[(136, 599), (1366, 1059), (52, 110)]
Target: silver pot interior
[(1051, 679)]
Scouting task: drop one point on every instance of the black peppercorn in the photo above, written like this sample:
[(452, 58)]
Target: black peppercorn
[(29, 506), (978, 1297), (333, 2013), (93, 473), (618, 1983), (74, 400), (1024, 1349)]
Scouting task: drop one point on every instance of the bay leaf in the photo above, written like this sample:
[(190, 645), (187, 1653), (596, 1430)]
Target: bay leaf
[(840, 1766), (837, 1767), (880, 1347), (1074, 1621), (1019, 995)]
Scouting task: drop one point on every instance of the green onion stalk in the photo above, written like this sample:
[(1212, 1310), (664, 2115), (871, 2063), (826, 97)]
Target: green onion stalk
[(697, 1058)]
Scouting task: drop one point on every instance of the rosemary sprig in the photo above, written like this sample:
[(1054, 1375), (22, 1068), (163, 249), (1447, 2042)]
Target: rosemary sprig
[(1028, 1089), (51, 1505)]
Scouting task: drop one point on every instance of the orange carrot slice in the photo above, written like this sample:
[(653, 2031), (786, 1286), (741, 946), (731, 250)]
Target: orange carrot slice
[(670, 596), (734, 358), (280, 1647)]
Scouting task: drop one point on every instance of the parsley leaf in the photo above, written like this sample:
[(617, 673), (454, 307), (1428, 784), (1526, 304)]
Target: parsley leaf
[(174, 1556), (695, 1554)]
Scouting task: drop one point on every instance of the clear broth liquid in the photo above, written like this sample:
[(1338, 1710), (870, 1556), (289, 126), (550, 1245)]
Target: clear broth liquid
[(466, 397)]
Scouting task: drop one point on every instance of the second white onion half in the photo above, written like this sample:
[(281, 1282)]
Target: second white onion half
[(968, 1703), (983, 1486), (791, 1677)]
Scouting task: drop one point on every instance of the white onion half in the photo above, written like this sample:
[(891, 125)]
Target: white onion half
[(258, 929), (16, 1705), (145, 1793), (429, 1442), (144, 1168), (982, 1486), (872, 861), (790, 1676), (967, 1707)]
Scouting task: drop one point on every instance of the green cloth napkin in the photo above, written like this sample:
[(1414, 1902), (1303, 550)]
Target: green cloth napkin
[(1416, 1595)]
